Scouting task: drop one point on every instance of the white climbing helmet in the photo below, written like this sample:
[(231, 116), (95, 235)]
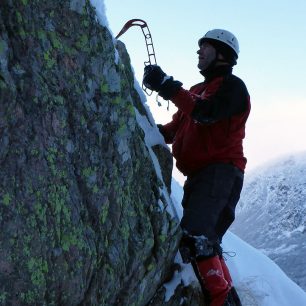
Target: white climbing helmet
[(223, 36)]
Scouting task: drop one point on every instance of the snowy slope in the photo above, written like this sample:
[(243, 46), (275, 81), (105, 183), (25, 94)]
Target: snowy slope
[(257, 278), (271, 214)]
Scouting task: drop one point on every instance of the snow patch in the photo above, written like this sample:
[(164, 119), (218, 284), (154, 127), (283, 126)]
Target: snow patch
[(100, 12), (259, 276), (185, 276), (172, 285), (102, 19), (153, 137)]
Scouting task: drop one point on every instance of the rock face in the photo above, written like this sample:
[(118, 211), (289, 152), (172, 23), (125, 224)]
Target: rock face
[(84, 216), (271, 214)]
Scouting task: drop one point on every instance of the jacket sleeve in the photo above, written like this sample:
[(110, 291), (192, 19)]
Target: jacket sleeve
[(230, 99), (169, 130)]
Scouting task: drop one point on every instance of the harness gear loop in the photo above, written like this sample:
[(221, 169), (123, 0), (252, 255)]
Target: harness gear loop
[(149, 44)]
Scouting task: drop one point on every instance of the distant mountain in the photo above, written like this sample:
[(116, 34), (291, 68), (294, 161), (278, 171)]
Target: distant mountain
[(271, 214)]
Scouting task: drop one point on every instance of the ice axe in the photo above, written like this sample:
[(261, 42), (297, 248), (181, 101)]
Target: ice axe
[(149, 44)]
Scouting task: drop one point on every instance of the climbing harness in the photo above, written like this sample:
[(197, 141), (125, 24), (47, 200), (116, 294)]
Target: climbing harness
[(149, 45)]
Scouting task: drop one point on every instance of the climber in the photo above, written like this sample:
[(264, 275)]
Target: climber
[(206, 134)]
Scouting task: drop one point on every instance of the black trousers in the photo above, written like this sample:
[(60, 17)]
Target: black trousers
[(210, 199)]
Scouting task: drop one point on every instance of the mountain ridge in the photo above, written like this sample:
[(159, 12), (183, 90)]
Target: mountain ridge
[(273, 206)]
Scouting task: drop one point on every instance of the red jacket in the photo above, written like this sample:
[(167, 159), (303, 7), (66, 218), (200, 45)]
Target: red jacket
[(209, 125)]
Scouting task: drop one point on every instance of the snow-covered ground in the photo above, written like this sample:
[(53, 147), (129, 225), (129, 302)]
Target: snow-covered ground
[(259, 281)]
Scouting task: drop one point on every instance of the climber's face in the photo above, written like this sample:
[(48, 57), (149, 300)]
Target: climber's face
[(207, 54)]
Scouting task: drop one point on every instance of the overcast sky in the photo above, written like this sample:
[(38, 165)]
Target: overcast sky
[(272, 59)]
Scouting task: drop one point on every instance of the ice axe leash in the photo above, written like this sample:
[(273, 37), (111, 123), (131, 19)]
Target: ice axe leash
[(149, 45)]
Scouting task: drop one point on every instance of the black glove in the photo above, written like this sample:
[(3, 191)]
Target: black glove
[(155, 79), (160, 128)]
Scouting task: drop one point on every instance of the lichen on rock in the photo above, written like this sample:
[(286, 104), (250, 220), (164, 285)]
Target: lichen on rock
[(80, 222)]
